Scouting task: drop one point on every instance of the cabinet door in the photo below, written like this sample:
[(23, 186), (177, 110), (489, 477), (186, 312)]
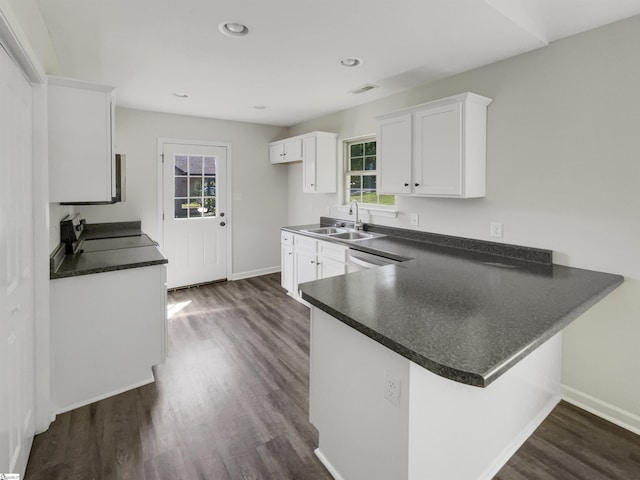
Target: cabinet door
[(437, 160), (286, 274), (394, 155), (305, 266), (328, 267), (293, 149), (80, 141), (309, 165), (276, 153)]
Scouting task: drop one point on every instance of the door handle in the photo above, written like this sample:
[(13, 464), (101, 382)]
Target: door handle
[(222, 224)]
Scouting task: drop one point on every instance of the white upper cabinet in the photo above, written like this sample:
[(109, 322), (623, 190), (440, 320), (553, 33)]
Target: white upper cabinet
[(319, 165), (318, 152), (81, 156), (394, 146), (284, 151), (435, 149)]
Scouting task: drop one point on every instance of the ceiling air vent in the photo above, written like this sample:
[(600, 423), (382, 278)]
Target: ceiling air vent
[(364, 88)]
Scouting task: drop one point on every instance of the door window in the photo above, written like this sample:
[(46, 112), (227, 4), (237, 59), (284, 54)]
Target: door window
[(194, 186)]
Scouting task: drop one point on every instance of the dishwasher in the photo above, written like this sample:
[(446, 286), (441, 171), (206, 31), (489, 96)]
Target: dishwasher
[(362, 261)]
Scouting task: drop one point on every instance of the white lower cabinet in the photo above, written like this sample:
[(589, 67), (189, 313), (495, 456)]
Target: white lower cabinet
[(107, 331), (286, 255), (304, 259), (332, 259), (305, 256)]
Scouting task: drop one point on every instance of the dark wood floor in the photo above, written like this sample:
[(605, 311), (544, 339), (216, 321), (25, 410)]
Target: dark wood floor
[(572, 444), (231, 402)]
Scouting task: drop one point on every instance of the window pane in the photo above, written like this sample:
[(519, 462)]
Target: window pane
[(355, 188), (180, 210), (209, 186), (181, 165), (180, 187), (369, 189), (356, 164), (195, 186), (387, 199), (370, 163), (370, 148), (209, 207), (209, 165), (195, 207), (357, 150), (195, 165)]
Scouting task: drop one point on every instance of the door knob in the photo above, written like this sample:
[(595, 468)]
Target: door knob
[(222, 224), (406, 184), (417, 184), (222, 214)]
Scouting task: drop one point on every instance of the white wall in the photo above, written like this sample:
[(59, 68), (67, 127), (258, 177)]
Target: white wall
[(259, 188), (30, 20), (563, 172)]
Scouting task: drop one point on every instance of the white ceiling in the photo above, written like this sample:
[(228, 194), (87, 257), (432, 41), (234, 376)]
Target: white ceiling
[(289, 62)]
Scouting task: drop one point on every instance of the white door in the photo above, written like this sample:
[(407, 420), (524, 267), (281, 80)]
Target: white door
[(17, 370), (195, 221)]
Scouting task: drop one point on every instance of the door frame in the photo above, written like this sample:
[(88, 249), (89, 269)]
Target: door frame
[(16, 43), (229, 184)]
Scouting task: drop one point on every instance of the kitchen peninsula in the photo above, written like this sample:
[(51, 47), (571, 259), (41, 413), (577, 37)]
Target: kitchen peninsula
[(441, 366)]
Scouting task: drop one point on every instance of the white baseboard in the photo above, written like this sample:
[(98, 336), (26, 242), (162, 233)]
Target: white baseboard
[(517, 442), (254, 273), (106, 395), (327, 464), (602, 409)]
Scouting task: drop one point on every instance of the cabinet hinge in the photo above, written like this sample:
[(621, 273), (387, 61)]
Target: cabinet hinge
[(163, 216), (162, 155)]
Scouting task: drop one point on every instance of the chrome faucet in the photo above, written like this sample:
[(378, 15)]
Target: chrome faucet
[(358, 223)]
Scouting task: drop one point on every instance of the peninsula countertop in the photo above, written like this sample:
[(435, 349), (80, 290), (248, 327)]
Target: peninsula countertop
[(105, 248), (464, 314)]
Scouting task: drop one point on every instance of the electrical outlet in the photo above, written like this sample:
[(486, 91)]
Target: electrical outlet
[(392, 387), (496, 229), (414, 219)]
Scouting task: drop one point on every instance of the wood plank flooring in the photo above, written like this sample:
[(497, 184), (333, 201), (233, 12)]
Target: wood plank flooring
[(231, 403), (572, 444)]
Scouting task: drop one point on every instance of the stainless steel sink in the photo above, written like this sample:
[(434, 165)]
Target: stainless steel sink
[(326, 230), (352, 236)]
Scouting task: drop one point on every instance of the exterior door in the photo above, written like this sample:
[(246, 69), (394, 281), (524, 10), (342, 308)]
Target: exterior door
[(195, 237), (17, 369)]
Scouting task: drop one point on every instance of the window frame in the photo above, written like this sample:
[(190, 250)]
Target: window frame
[(347, 173), (189, 176)]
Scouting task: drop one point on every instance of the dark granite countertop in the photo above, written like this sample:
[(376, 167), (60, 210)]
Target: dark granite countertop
[(467, 313), (107, 248)]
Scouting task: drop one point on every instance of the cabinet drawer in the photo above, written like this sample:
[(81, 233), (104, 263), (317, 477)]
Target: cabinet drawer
[(333, 251), (305, 243), (286, 238)]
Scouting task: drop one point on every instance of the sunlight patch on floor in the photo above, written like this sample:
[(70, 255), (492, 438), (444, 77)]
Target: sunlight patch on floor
[(173, 308)]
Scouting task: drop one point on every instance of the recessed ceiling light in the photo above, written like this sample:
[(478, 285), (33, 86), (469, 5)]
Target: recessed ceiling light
[(259, 107), (233, 29), (350, 62), (181, 95)]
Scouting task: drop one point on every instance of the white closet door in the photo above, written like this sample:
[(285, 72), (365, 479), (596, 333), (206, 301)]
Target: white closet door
[(17, 374)]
